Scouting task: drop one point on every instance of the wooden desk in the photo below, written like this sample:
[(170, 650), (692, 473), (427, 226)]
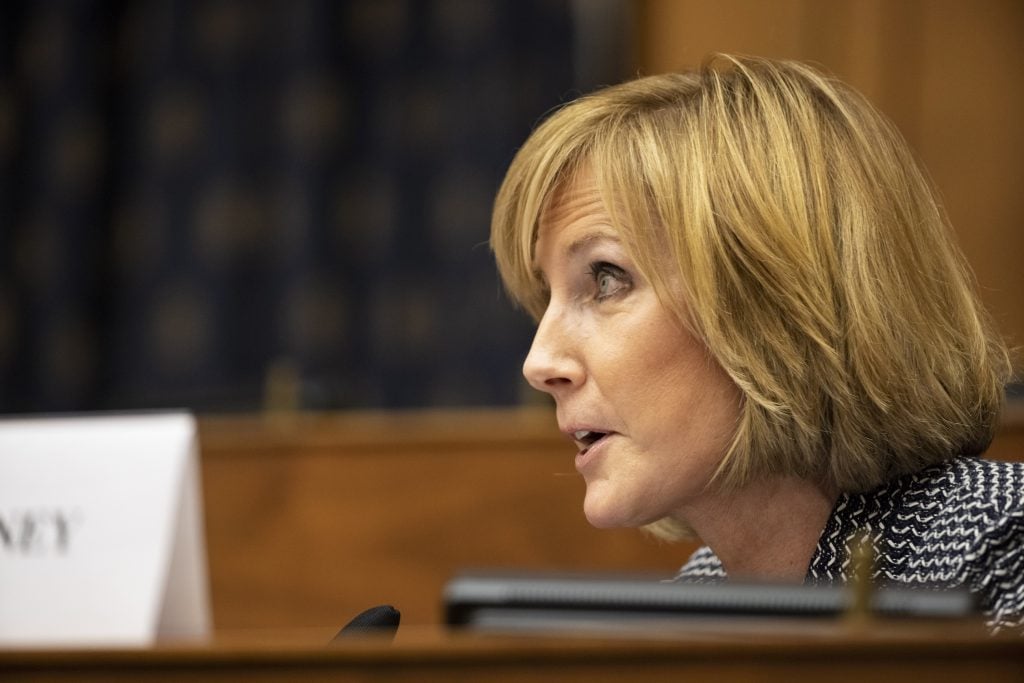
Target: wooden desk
[(833, 654)]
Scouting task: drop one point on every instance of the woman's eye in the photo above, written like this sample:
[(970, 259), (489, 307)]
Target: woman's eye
[(609, 280)]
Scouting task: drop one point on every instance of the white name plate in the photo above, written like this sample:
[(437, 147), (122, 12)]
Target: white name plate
[(101, 531)]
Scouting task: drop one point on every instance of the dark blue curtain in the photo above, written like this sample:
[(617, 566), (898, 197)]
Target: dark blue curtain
[(197, 195)]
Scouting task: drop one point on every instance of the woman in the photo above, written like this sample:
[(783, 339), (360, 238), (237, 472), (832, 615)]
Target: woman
[(758, 329)]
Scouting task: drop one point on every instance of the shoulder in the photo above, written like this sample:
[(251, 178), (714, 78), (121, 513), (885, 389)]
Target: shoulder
[(964, 506), (702, 567), (971, 476), (967, 494), (962, 523)]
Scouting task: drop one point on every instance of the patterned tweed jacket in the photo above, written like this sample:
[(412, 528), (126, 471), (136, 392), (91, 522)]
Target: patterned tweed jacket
[(960, 523)]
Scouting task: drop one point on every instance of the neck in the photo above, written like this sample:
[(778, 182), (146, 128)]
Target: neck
[(767, 530)]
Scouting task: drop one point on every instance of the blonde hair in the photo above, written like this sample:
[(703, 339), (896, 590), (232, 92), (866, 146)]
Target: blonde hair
[(815, 262)]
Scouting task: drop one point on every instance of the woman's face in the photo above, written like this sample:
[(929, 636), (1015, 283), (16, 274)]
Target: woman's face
[(650, 411)]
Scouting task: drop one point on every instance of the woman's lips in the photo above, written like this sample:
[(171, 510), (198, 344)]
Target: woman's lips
[(591, 451)]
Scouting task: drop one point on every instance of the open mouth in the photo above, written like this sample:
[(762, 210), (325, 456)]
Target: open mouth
[(586, 438)]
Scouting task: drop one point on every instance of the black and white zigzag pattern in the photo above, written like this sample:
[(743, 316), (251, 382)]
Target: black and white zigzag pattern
[(960, 523)]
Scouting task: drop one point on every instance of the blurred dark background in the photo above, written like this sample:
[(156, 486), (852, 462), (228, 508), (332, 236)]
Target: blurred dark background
[(220, 203), (226, 205)]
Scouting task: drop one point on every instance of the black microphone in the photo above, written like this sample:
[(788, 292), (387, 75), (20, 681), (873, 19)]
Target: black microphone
[(381, 620)]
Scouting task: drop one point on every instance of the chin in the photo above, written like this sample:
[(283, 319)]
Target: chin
[(606, 514)]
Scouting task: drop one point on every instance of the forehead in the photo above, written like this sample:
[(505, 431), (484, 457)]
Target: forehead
[(576, 203)]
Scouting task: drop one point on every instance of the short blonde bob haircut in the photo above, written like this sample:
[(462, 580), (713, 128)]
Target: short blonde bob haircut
[(814, 260)]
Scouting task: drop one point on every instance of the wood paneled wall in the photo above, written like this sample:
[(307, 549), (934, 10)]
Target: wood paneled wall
[(312, 519), (950, 73)]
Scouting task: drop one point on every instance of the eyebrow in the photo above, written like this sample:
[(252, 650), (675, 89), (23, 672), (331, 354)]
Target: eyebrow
[(577, 246), (585, 241)]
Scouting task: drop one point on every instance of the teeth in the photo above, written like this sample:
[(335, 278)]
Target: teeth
[(587, 436)]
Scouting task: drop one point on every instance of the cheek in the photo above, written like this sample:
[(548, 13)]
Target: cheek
[(688, 393), (674, 364)]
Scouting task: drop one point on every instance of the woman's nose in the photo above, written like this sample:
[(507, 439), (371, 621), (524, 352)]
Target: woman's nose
[(552, 364)]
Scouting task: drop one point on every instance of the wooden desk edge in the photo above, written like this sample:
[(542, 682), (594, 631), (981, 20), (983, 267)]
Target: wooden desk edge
[(426, 645)]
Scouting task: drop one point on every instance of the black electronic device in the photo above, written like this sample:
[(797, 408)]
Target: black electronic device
[(565, 602), (381, 620)]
